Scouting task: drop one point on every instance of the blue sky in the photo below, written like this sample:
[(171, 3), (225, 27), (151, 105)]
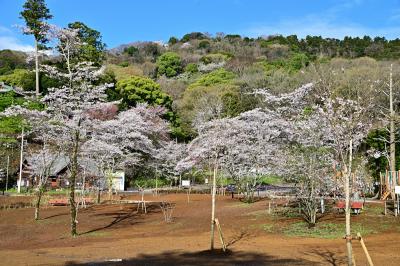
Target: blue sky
[(123, 21)]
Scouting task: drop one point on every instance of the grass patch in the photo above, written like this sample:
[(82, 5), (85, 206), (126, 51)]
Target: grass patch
[(258, 214), (269, 228), (271, 180), (326, 230), (373, 210), (97, 234), (241, 205)]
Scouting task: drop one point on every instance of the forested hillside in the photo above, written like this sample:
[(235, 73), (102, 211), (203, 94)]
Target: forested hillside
[(201, 77)]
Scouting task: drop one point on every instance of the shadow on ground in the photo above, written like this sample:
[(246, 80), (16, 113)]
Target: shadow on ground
[(329, 257), (121, 218), (215, 258)]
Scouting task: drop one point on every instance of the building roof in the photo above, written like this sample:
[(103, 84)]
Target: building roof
[(62, 162), (4, 88)]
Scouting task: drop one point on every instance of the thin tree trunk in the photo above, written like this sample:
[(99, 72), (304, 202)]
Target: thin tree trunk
[(214, 187), (8, 166), (37, 205), (21, 161), (98, 195), (392, 128), (347, 192), (37, 68), (392, 140), (74, 173)]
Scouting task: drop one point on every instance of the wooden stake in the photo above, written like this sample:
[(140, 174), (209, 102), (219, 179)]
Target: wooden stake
[(21, 161), (221, 237), (365, 249), (213, 191)]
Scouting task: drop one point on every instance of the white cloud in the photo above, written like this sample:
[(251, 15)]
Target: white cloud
[(9, 41), (12, 43), (327, 23), (4, 30), (314, 25)]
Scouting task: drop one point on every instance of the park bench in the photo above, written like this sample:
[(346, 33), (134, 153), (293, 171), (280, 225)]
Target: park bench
[(65, 201), (355, 206)]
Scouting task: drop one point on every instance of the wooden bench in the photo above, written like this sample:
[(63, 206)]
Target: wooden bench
[(355, 206), (65, 201)]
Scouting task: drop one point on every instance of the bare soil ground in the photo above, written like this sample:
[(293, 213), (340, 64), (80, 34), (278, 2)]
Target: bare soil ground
[(116, 234)]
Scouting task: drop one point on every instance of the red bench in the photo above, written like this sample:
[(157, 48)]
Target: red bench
[(65, 202), (355, 206)]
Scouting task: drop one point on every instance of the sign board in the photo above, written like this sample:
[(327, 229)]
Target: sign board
[(397, 189), (185, 183)]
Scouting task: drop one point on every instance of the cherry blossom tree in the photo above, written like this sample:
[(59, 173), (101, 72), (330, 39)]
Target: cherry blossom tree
[(42, 163), (66, 115)]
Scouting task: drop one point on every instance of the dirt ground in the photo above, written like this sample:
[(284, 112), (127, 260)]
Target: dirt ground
[(116, 234)]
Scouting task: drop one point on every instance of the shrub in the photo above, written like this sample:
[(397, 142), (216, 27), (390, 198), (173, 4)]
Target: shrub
[(204, 44), (124, 64), (131, 50), (191, 68), (219, 76), (214, 58), (169, 64), (193, 36), (140, 90), (172, 40)]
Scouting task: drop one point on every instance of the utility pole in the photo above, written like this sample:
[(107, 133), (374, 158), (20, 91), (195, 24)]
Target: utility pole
[(347, 192), (20, 161)]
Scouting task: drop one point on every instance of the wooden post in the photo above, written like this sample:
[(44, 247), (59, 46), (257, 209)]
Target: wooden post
[(21, 161), (385, 212), (8, 165), (214, 185), (221, 237), (380, 184), (365, 249)]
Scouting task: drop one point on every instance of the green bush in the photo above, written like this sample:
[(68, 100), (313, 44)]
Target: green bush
[(219, 76), (124, 64), (149, 182), (169, 64), (131, 50), (204, 44), (215, 58), (142, 90), (191, 68), (20, 78), (172, 40), (298, 61)]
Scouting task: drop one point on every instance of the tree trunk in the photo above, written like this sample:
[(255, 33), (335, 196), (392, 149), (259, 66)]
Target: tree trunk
[(392, 128), (98, 195), (21, 161), (8, 166), (347, 192), (37, 204), (214, 188), (74, 173), (37, 68)]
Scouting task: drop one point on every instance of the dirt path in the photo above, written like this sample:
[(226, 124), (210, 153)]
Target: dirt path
[(117, 235)]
